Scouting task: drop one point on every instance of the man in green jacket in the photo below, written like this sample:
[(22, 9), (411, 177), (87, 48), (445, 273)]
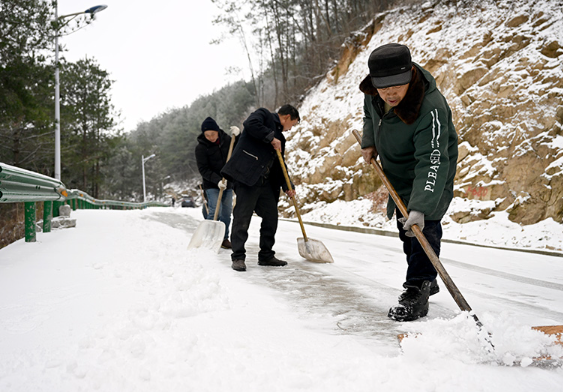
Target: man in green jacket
[(408, 123)]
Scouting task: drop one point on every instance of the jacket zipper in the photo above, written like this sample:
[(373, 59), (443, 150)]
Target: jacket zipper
[(253, 156)]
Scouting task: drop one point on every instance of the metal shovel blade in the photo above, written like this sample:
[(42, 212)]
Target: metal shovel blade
[(208, 235), (314, 250)]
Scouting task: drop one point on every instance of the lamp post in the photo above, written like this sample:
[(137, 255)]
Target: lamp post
[(143, 160), (92, 11)]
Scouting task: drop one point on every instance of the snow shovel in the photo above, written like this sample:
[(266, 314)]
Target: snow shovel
[(210, 233), (555, 330), (310, 249)]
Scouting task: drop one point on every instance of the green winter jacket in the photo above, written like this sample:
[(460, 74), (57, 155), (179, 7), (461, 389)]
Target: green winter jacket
[(417, 144)]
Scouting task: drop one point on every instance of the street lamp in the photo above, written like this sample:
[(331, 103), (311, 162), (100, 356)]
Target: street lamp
[(143, 160), (92, 11)]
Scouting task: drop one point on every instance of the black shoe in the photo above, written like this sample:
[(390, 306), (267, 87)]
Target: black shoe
[(239, 265), (413, 303), (226, 244), (434, 288), (272, 262)]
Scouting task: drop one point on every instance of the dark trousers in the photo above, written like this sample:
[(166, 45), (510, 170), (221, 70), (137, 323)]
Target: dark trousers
[(262, 199), (420, 267)]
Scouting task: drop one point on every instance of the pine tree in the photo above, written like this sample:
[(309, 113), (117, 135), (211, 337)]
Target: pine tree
[(26, 84), (88, 124)]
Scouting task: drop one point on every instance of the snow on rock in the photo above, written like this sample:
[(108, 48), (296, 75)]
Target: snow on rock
[(499, 66)]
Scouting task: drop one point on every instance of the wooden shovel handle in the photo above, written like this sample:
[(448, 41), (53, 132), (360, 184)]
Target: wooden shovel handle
[(282, 164), (223, 179), (203, 197), (452, 288)]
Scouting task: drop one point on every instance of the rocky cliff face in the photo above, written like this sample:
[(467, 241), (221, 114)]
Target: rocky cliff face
[(499, 64)]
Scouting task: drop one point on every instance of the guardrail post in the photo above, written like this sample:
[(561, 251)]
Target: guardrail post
[(30, 233), (56, 205), (47, 216)]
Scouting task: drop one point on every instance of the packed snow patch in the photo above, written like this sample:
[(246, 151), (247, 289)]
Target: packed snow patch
[(500, 340)]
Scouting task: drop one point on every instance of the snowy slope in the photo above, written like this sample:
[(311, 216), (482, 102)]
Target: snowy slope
[(499, 65)]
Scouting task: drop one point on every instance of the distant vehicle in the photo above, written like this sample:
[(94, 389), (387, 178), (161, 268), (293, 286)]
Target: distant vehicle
[(188, 201)]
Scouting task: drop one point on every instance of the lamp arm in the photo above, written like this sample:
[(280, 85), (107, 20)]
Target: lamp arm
[(74, 14)]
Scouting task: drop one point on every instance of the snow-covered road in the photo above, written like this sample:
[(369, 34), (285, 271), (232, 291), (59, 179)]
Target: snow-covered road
[(119, 304)]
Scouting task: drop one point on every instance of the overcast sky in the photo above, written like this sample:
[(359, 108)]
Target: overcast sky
[(157, 52)]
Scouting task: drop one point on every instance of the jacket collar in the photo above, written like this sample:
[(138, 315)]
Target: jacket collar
[(408, 109), (277, 121), (279, 127)]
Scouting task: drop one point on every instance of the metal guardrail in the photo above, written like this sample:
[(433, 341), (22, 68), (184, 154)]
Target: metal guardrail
[(23, 186), (20, 185), (88, 202)]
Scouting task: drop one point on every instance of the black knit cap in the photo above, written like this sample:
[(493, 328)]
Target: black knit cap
[(209, 125), (390, 65)]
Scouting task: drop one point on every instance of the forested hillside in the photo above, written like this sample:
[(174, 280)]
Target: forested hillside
[(172, 136), (290, 46)]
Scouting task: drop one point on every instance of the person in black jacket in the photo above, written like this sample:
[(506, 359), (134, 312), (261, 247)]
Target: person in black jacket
[(211, 155), (257, 175)]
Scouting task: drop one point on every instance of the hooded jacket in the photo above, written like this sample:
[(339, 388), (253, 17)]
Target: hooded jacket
[(211, 158), (416, 142)]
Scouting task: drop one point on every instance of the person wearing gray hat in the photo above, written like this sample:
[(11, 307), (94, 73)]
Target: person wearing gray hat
[(408, 124)]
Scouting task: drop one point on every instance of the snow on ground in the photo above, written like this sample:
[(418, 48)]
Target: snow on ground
[(119, 304), (546, 235)]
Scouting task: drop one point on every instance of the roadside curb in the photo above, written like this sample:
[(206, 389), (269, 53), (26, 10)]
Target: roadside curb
[(387, 233)]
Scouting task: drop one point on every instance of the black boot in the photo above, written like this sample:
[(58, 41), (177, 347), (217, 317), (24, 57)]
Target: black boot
[(272, 262), (413, 303), (434, 288)]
